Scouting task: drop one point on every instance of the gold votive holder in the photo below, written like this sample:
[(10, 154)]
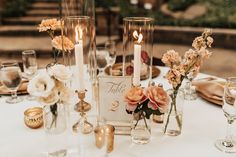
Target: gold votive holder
[(33, 117), (103, 134), (110, 131)]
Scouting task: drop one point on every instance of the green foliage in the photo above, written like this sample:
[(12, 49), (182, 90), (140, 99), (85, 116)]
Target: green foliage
[(179, 4), (105, 3), (220, 13), (15, 8)]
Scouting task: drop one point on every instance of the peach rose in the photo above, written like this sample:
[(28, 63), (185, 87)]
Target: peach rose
[(158, 97), (134, 97)]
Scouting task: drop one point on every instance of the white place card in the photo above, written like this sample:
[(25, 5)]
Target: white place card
[(111, 101)]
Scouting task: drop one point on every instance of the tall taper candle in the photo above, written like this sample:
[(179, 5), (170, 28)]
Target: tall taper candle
[(137, 64), (79, 59)]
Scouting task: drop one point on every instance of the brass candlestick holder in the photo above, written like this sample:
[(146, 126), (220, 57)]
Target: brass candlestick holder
[(82, 107)]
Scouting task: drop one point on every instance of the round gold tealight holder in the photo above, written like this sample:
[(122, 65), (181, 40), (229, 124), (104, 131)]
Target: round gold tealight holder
[(33, 117)]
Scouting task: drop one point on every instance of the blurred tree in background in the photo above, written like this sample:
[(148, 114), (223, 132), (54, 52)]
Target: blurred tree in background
[(15, 8)]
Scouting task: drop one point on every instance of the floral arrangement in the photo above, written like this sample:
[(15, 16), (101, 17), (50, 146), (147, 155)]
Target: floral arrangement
[(145, 102), (50, 26), (49, 88), (181, 68)]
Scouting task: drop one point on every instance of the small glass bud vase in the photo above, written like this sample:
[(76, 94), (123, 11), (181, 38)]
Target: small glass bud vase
[(172, 124), (54, 118), (140, 128)]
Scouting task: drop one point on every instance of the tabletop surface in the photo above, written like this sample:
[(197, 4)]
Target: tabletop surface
[(203, 123)]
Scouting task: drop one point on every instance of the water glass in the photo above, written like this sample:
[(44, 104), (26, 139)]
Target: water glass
[(111, 57), (30, 66), (11, 79), (190, 92), (228, 145), (29, 63), (101, 58)]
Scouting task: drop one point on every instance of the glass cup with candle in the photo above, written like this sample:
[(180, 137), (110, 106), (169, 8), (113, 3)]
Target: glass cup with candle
[(77, 29), (138, 47)]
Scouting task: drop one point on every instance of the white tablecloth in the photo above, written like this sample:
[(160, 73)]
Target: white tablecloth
[(203, 123)]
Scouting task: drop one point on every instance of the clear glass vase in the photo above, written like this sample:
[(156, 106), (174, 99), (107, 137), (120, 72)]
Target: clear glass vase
[(172, 125), (138, 48), (140, 129), (54, 118)]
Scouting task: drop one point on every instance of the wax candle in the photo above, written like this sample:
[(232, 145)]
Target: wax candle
[(79, 61), (137, 58), (137, 64)]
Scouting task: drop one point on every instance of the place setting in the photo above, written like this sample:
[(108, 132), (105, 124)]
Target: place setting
[(124, 97)]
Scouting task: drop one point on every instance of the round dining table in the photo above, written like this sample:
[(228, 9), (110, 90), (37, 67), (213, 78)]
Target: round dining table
[(203, 124)]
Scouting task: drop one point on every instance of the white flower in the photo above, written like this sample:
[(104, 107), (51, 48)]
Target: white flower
[(60, 72), (41, 85), (51, 99)]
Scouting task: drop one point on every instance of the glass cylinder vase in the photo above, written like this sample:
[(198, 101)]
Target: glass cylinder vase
[(138, 48), (77, 8), (140, 128), (54, 118), (77, 30), (172, 124)]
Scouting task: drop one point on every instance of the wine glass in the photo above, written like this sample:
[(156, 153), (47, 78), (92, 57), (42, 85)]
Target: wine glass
[(101, 58), (111, 57), (190, 92), (229, 108), (30, 66), (11, 79)]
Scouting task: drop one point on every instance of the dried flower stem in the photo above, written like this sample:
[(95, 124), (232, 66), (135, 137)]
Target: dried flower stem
[(53, 109), (173, 104)]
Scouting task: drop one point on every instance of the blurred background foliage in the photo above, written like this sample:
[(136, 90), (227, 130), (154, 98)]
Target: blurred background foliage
[(219, 13), (15, 8)]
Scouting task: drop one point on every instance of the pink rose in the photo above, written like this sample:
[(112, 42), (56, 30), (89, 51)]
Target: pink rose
[(129, 70), (158, 97), (144, 56), (134, 97)]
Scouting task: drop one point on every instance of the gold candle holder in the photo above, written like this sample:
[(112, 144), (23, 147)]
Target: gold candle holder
[(103, 134), (82, 107), (33, 117)]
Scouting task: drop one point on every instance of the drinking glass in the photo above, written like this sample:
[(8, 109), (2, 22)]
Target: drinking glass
[(111, 57), (101, 58), (190, 92), (29, 63), (229, 108), (11, 79), (30, 66)]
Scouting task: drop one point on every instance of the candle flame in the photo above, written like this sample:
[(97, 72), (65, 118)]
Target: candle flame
[(138, 37), (78, 33)]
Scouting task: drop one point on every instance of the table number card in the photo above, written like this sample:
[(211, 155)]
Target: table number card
[(111, 101)]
